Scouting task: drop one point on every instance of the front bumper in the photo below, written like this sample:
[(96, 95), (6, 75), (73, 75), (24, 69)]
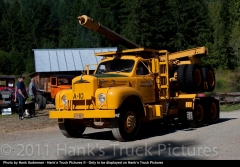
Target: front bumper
[(8, 105), (82, 114)]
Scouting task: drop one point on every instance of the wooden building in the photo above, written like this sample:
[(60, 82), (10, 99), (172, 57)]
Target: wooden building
[(50, 62)]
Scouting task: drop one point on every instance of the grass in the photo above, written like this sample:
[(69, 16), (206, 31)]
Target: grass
[(8, 116), (227, 81), (229, 107)]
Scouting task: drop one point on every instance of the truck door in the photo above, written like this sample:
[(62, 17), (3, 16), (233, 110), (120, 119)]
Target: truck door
[(54, 87), (145, 83)]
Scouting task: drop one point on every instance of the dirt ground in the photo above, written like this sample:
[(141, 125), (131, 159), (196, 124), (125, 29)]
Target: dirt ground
[(11, 123)]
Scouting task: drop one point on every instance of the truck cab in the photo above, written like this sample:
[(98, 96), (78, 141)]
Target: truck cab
[(57, 83)]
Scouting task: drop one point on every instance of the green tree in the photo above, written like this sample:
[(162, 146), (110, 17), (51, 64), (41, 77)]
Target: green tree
[(12, 26), (104, 12), (17, 63), (39, 26), (221, 53), (3, 35), (5, 63), (67, 23), (235, 32)]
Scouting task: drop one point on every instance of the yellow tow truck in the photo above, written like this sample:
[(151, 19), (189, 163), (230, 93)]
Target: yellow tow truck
[(137, 85)]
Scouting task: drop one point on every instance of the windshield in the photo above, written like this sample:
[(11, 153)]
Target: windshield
[(6, 82), (116, 65), (3, 82)]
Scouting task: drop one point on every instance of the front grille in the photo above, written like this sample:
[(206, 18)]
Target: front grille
[(6, 96)]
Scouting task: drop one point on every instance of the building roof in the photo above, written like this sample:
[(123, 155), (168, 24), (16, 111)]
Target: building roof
[(57, 60)]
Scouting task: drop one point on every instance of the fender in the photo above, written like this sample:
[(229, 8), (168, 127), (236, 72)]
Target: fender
[(115, 96), (58, 98)]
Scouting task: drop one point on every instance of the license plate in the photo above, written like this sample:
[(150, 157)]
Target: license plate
[(5, 96), (78, 116), (77, 96), (6, 111)]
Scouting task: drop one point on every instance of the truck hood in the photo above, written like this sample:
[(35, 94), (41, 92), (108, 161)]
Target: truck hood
[(90, 83)]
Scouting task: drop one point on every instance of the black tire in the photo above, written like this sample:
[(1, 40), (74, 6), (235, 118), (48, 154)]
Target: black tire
[(209, 78), (213, 111), (126, 126), (197, 117), (194, 78), (44, 102), (181, 77), (39, 102), (71, 128)]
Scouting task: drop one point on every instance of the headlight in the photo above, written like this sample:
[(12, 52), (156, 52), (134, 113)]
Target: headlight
[(101, 98), (64, 100)]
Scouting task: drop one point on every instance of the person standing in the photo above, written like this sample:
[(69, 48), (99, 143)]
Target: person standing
[(32, 95), (16, 92), (22, 96)]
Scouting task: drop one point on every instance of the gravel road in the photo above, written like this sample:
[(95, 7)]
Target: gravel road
[(220, 141)]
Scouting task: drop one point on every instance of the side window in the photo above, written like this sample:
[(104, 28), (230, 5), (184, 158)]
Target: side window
[(142, 69), (3, 82), (101, 69), (70, 81), (53, 81), (62, 81)]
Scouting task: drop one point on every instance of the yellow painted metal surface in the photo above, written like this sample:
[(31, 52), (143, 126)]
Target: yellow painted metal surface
[(158, 111), (187, 96), (189, 53), (116, 95), (154, 112), (82, 114)]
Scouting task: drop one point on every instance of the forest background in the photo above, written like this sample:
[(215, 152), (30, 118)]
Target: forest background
[(171, 25)]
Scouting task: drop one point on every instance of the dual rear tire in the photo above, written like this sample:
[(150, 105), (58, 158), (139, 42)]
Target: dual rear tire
[(206, 112)]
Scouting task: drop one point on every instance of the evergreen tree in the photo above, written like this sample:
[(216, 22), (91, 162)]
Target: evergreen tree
[(5, 63), (3, 35), (11, 26), (235, 32), (221, 35), (67, 22), (16, 66), (171, 25)]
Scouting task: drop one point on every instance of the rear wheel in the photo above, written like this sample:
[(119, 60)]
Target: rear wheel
[(39, 102), (213, 111), (71, 128), (197, 117), (44, 103), (126, 126)]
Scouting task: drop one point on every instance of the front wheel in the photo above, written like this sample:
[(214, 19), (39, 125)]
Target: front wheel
[(126, 126), (71, 128)]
